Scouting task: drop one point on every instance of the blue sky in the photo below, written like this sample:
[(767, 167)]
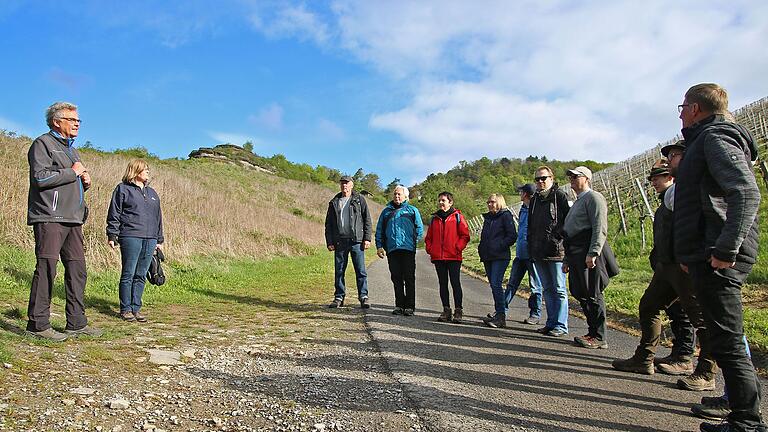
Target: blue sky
[(399, 88)]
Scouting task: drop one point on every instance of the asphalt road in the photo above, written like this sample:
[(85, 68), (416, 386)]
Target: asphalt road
[(473, 378)]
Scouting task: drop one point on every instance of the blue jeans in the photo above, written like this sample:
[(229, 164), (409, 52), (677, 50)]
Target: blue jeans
[(136, 254), (554, 292), (345, 248), (495, 271), (519, 268)]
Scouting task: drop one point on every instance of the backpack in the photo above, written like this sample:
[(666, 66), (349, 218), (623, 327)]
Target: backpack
[(155, 274)]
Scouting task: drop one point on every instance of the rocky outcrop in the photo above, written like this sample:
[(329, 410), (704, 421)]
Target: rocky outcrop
[(233, 154)]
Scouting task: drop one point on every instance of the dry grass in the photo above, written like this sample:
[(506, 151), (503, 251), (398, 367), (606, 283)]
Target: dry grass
[(209, 208)]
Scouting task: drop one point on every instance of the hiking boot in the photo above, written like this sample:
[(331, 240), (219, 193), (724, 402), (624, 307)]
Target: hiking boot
[(408, 312), (556, 333), (498, 322), (48, 334), (488, 318), (364, 303), (543, 330), (458, 316), (661, 360), (590, 342), (336, 303), (139, 317), (531, 321), (446, 315), (716, 409), (697, 382), (127, 316), (634, 365), (678, 367), (397, 311), (85, 331)]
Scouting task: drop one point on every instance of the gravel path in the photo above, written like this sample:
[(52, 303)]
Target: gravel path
[(473, 378)]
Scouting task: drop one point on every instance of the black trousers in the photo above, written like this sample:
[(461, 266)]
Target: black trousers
[(719, 293), (402, 269), (449, 270), (51, 241), (662, 294), (587, 287)]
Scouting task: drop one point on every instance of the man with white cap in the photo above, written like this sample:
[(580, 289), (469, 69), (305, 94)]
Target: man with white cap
[(585, 231)]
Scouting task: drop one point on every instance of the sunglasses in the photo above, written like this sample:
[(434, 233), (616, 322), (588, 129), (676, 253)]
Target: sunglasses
[(542, 178)]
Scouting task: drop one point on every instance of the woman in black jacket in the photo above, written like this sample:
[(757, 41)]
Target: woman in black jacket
[(497, 236), (135, 222)]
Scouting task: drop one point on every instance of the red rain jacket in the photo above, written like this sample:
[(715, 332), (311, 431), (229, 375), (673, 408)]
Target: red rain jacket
[(447, 238)]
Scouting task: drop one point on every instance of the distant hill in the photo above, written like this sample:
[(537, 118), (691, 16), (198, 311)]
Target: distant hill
[(210, 206), (472, 182)]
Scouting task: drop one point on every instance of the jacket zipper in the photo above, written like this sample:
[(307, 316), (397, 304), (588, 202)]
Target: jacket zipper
[(55, 199)]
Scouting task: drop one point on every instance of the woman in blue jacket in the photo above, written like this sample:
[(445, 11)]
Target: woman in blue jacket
[(135, 222), (497, 236), (397, 232)]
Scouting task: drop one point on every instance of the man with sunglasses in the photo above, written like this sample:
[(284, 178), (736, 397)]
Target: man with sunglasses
[(56, 210), (548, 209), (716, 239)]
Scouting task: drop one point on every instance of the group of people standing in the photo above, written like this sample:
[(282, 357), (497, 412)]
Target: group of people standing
[(57, 210)]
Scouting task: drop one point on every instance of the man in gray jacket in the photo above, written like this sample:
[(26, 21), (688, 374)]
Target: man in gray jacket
[(56, 210), (716, 239), (348, 232)]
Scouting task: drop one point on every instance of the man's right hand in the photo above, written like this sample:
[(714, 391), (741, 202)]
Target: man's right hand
[(79, 168), (381, 252), (331, 248), (111, 244)]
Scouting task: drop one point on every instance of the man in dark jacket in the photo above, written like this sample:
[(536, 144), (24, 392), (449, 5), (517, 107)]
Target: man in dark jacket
[(56, 210), (348, 231), (546, 215), (716, 238)]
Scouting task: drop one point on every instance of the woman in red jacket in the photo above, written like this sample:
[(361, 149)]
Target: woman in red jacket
[(447, 236)]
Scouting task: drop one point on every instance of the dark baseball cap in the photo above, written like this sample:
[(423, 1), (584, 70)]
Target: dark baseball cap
[(679, 144), (528, 188), (345, 179)]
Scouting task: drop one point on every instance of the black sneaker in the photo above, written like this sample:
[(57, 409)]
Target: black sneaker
[(498, 322), (715, 409), (397, 311), (364, 303), (718, 427), (488, 318), (337, 302), (408, 312)]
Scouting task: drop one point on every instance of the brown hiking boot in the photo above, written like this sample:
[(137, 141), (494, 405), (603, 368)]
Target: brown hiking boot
[(677, 367), (697, 382), (661, 360), (458, 315), (48, 334), (446, 315), (634, 365)]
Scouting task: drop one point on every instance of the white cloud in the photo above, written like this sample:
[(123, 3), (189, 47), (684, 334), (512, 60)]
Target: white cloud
[(595, 80), (231, 138), (291, 21), (270, 117), (331, 130)]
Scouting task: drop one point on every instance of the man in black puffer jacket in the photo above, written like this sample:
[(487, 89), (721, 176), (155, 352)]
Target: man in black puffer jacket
[(716, 238)]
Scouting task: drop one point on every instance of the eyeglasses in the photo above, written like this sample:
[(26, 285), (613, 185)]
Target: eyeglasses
[(681, 106), (490, 202), (71, 119), (542, 178)]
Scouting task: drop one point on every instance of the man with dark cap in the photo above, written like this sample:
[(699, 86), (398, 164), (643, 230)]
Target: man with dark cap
[(348, 232), (522, 263), (716, 239), (662, 292)]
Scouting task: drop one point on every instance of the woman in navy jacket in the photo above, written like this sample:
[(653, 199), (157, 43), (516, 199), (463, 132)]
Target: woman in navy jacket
[(497, 236), (135, 222)]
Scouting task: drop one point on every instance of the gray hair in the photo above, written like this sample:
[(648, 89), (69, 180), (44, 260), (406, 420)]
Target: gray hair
[(404, 189), (53, 111)]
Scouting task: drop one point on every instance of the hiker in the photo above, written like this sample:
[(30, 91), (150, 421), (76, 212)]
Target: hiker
[(716, 239), (668, 287), (348, 232), (522, 263), (56, 210), (497, 236), (447, 236), (135, 222), (546, 214), (398, 231), (588, 261)]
